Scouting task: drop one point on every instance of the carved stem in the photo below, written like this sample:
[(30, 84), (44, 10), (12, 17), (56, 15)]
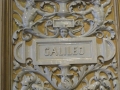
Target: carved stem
[(63, 12), (64, 69)]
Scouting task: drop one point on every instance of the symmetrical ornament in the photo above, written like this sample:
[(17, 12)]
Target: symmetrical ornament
[(53, 47)]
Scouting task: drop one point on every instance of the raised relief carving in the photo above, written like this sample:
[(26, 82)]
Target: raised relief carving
[(98, 23), (76, 51), (28, 26), (80, 48)]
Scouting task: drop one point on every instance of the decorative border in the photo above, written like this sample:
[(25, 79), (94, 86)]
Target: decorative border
[(0, 35), (21, 57), (6, 42), (6, 45)]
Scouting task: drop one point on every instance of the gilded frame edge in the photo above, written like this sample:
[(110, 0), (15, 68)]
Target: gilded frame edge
[(6, 43)]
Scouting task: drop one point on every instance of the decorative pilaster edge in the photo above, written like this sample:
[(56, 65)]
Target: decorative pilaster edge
[(6, 52)]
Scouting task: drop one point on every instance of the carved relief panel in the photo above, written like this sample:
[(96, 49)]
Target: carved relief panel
[(65, 45)]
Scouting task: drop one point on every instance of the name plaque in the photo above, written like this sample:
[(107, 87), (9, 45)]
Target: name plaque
[(64, 51), (63, 23), (70, 51)]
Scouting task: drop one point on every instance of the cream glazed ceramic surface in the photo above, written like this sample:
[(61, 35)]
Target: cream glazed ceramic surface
[(64, 53)]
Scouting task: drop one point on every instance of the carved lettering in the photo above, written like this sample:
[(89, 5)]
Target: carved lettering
[(64, 51), (60, 51), (75, 50), (53, 51), (82, 50), (47, 53)]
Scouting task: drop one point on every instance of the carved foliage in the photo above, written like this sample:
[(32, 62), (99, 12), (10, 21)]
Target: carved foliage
[(64, 27)]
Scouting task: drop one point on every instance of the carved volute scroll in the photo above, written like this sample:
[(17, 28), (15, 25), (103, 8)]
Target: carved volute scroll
[(64, 45)]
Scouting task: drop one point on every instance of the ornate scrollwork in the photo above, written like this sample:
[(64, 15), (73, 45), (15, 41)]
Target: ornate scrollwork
[(97, 25), (63, 27), (29, 13), (69, 81), (30, 82)]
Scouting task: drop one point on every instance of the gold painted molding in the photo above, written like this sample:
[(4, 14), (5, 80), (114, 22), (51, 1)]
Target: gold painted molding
[(6, 45), (6, 54), (0, 36), (117, 11), (118, 33)]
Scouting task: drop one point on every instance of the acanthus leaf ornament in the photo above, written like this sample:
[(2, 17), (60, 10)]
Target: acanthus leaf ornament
[(29, 14), (98, 23), (66, 52)]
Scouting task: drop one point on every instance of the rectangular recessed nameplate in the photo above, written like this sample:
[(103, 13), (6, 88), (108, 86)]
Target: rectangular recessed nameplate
[(61, 51), (63, 23)]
